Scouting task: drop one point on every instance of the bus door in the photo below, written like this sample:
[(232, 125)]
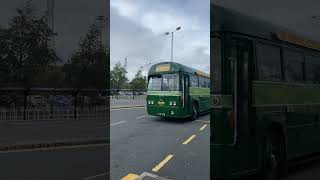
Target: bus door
[(185, 91), (241, 54)]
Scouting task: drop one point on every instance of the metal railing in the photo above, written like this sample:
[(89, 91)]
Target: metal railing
[(127, 93), (127, 97), (56, 114)]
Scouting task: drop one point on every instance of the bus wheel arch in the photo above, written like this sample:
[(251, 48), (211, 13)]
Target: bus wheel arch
[(274, 161), (195, 110)]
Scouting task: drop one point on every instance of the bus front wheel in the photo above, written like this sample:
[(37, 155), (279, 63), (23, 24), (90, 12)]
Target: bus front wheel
[(195, 111), (273, 159)]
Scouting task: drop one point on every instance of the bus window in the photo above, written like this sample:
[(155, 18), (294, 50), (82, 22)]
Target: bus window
[(202, 82), (293, 66), (194, 81), (216, 65), (269, 64), (170, 82), (154, 83), (312, 69)]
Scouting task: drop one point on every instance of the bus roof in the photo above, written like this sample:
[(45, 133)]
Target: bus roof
[(171, 67), (223, 19)]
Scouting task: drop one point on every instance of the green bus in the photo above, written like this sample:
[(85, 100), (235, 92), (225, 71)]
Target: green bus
[(177, 91), (265, 97)]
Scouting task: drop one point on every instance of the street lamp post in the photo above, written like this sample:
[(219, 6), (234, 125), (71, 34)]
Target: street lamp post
[(167, 33)]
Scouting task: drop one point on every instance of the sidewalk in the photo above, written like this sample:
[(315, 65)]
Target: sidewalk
[(127, 103)]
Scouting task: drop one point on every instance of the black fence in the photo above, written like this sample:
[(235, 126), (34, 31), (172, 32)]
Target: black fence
[(19, 103), (127, 93)]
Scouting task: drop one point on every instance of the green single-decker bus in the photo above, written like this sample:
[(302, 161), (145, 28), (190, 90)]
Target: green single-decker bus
[(177, 91)]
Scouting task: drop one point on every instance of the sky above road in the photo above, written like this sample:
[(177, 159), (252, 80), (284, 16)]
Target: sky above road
[(295, 15), (137, 30)]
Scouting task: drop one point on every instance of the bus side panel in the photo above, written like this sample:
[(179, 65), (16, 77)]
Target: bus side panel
[(202, 96), (299, 104)]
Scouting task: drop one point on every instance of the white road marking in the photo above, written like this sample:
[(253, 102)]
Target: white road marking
[(113, 109), (203, 121), (145, 117), (38, 122), (117, 123), (54, 148), (98, 175)]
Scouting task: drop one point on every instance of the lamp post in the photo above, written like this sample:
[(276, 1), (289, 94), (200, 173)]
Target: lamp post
[(167, 33)]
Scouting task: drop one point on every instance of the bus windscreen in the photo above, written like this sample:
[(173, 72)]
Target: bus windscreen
[(164, 82)]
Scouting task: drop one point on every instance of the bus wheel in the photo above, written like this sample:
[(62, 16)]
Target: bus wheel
[(195, 111), (272, 157)]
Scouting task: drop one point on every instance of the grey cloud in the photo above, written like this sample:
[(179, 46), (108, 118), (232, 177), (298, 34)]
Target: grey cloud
[(131, 38)]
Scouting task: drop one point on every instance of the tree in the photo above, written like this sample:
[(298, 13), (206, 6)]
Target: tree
[(118, 76), (139, 81), (24, 49), (87, 67)]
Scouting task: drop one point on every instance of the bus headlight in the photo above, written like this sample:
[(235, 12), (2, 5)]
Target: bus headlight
[(174, 103), (170, 103), (151, 102)]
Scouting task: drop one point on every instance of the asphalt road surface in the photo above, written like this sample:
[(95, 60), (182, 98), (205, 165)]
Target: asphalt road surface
[(307, 171), (88, 160), (28, 132), (63, 163), (175, 149)]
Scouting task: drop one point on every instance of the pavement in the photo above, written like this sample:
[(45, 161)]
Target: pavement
[(124, 102), (171, 149)]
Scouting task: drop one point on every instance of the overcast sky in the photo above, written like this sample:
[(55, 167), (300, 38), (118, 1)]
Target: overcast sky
[(138, 27), (72, 19), (295, 15)]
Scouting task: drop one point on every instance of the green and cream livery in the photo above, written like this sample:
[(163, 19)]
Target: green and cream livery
[(177, 91)]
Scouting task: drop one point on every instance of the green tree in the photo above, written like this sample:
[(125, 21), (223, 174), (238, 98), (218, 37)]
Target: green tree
[(87, 67), (118, 77), (139, 81), (24, 49)]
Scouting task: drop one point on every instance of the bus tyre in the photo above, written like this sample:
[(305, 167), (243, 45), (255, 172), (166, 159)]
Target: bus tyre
[(273, 157), (195, 111)]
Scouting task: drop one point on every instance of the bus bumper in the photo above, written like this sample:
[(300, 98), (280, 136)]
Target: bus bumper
[(166, 111)]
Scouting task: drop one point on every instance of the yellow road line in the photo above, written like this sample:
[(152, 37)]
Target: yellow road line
[(130, 177), (202, 128), (162, 163), (189, 139)]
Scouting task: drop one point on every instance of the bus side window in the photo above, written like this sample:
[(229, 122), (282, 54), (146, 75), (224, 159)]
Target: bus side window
[(269, 63), (202, 82), (194, 81), (293, 63), (312, 69)]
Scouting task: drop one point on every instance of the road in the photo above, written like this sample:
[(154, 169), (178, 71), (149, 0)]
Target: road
[(307, 171), (63, 163), (41, 150), (175, 149), (28, 132)]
